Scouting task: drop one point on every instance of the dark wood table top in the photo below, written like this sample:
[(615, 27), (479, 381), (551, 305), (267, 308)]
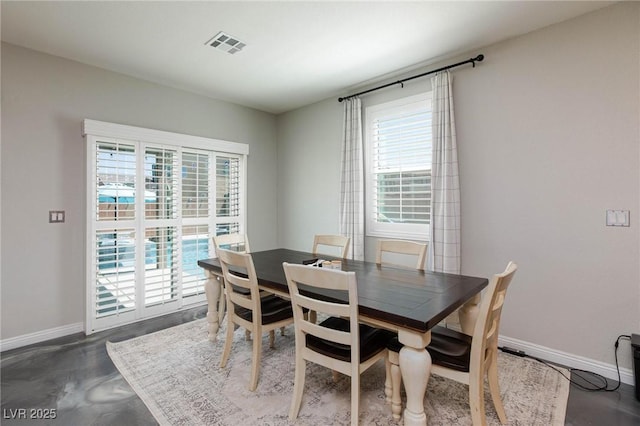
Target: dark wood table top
[(405, 298)]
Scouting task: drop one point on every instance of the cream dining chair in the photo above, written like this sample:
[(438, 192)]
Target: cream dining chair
[(402, 247), (238, 243), (339, 343), (248, 309), (339, 241), (467, 359), (406, 249), (235, 242)]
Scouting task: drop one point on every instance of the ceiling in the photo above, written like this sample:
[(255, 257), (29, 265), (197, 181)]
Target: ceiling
[(296, 53)]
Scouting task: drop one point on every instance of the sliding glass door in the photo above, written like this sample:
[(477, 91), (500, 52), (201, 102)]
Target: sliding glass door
[(151, 213)]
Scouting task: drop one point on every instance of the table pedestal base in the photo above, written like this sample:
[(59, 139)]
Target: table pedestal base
[(415, 367), (215, 302)]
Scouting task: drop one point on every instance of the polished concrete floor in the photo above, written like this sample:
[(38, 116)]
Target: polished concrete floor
[(74, 377)]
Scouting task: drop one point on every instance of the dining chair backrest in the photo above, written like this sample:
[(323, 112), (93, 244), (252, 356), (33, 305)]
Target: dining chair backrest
[(401, 247), (485, 335), (247, 308), (324, 279), (339, 241), (238, 271), (234, 242), (339, 342), (467, 359)]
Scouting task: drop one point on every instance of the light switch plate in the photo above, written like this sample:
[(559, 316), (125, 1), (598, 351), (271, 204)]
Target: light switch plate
[(56, 216), (618, 217)]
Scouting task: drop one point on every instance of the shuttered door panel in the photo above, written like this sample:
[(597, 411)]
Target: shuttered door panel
[(195, 245), (161, 183), (115, 273), (161, 284), (228, 195), (116, 179), (161, 259), (195, 184), (113, 292), (153, 202), (197, 209)]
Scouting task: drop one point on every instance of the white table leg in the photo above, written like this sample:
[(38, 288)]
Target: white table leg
[(468, 314), (213, 291), (415, 366)]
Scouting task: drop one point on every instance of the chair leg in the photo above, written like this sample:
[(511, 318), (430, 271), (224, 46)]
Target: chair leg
[(476, 399), (247, 335), (282, 331), (396, 385), (221, 302), (494, 388), (298, 387), (335, 375), (255, 359), (313, 317), (228, 340), (388, 388), (355, 399), (272, 339)]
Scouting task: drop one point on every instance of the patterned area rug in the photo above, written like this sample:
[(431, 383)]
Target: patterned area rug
[(176, 373)]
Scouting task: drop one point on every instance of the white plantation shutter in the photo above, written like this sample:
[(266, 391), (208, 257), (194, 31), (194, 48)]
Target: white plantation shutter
[(195, 242), (161, 222), (228, 195), (115, 287), (116, 180), (197, 175), (161, 284), (154, 199), (195, 184), (399, 168)]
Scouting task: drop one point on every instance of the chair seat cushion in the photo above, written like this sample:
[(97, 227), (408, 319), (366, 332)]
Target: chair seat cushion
[(273, 308), (448, 348), (372, 341)]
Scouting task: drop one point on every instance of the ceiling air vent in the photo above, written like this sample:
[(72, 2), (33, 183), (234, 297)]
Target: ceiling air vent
[(226, 43)]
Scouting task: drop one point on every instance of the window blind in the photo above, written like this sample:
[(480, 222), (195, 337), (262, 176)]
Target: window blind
[(399, 155)]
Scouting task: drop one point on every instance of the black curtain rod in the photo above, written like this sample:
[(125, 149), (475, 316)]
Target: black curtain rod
[(472, 61)]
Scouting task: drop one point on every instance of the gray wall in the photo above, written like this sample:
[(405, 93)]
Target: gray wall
[(548, 134), (44, 100), (549, 139)]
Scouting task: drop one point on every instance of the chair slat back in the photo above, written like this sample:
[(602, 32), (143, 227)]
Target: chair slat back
[(485, 336), (327, 279), (234, 242), (238, 270), (339, 241), (403, 247)]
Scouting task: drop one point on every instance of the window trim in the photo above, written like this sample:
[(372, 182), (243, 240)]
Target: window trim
[(95, 132), (372, 227), (121, 131)]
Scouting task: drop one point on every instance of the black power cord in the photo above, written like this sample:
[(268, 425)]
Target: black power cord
[(602, 384)]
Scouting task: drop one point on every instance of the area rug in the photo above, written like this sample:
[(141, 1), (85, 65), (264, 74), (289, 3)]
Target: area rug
[(176, 373)]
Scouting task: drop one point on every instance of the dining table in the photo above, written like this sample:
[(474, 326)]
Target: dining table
[(406, 301)]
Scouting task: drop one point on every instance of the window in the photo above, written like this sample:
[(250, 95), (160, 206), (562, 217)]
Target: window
[(154, 199), (398, 156)]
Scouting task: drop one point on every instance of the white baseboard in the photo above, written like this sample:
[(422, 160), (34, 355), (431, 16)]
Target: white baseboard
[(570, 360), (552, 355), (40, 336)]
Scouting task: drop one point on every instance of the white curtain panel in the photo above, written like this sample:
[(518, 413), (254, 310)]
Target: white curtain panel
[(352, 179), (444, 237)]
